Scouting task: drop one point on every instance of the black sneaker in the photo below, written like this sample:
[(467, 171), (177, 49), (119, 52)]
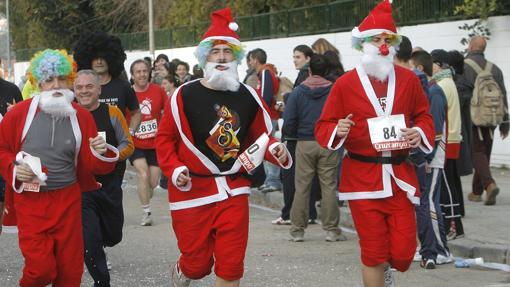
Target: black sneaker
[(428, 264)]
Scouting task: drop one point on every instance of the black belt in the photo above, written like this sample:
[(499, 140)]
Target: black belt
[(232, 176), (378, 159)]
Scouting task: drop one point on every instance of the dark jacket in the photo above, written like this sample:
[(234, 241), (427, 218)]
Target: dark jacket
[(465, 90), (304, 73), (304, 107), (9, 94)]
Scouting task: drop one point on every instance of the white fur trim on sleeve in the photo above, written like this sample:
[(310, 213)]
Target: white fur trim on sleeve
[(332, 139), (16, 189), (424, 145), (289, 158), (107, 159), (176, 173)]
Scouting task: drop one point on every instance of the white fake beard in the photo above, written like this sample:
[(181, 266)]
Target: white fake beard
[(226, 80), (57, 106), (375, 64)]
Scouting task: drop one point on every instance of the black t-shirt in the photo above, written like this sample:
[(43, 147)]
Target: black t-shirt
[(119, 93), (219, 121), (103, 122), (9, 93)]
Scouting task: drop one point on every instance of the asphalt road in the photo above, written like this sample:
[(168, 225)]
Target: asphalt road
[(144, 256)]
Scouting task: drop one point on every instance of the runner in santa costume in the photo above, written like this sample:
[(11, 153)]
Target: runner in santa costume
[(213, 131), (378, 111), (49, 153)]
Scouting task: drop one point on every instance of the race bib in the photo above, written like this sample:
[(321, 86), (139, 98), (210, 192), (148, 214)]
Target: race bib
[(385, 133), (147, 129), (254, 155), (32, 186)]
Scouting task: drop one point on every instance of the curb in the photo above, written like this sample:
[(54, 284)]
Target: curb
[(462, 247)]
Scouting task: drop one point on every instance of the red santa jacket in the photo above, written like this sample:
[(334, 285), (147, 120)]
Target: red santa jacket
[(177, 153), (13, 129), (353, 94)]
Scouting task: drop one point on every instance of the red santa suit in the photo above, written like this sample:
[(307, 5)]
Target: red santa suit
[(49, 223), (380, 195), (198, 209)]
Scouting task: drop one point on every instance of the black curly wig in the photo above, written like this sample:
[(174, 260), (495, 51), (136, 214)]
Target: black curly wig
[(100, 45)]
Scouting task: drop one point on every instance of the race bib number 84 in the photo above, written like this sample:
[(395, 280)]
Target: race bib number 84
[(385, 133)]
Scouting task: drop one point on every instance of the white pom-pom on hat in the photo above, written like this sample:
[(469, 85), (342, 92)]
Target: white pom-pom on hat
[(233, 26), (391, 1)]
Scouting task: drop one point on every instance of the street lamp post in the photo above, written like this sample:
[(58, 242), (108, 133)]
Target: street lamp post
[(8, 40), (151, 30)]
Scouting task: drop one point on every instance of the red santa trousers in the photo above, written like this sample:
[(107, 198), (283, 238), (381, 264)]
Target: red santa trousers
[(213, 232), (50, 237), (387, 229)]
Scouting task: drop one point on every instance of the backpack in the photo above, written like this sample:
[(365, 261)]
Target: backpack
[(487, 103), (285, 85)]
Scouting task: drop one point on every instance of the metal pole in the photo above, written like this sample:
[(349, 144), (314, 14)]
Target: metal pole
[(151, 30), (8, 41)]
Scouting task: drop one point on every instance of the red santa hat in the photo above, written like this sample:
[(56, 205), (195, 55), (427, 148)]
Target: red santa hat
[(222, 27), (378, 21)]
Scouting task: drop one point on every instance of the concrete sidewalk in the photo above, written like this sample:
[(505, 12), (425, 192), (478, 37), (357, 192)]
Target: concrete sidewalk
[(487, 228)]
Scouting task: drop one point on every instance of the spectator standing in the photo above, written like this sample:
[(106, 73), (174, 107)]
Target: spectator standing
[(303, 109), (483, 135), (301, 57), (335, 67), (465, 90), (267, 88), (451, 194), (321, 46), (251, 78), (429, 169)]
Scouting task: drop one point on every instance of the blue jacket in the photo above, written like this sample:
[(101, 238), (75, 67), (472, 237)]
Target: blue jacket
[(304, 107)]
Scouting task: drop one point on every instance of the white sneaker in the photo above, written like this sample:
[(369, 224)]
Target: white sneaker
[(146, 220), (332, 236), (441, 259), (280, 221), (178, 278), (417, 256), (389, 280), (108, 263)]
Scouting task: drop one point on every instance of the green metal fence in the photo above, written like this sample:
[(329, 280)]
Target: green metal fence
[(336, 16)]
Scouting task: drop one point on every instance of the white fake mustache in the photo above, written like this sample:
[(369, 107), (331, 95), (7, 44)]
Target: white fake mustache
[(59, 106), (222, 76)]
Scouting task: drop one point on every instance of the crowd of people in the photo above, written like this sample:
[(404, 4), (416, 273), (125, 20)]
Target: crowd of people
[(391, 137)]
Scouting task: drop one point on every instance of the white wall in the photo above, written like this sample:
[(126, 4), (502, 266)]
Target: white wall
[(444, 35)]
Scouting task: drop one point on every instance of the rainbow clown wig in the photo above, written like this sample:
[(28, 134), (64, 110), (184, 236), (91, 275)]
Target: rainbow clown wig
[(51, 63), (205, 47), (221, 31)]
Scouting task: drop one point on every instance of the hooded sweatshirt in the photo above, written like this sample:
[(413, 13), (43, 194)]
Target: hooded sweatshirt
[(304, 107)]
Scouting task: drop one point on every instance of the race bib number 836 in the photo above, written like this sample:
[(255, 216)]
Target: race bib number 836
[(147, 129), (385, 133)]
